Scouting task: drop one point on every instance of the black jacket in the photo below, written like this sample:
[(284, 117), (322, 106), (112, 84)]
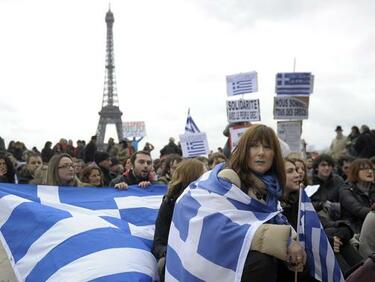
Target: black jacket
[(162, 226), (90, 152), (107, 176), (290, 208), (46, 154), (129, 178), (171, 148), (329, 190), (356, 205), (365, 145)]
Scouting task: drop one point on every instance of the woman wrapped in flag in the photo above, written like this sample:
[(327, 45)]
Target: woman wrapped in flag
[(227, 225)]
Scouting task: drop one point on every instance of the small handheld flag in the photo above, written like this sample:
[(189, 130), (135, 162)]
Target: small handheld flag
[(190, 126)]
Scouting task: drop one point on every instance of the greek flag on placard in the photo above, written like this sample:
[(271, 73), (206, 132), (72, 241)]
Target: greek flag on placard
[(320, 257), (211, 231), (79, 234), (294, 83), (242, 83), (193, 145), (190, 126)]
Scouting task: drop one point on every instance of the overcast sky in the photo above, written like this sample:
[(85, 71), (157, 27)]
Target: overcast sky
[(174, 54)]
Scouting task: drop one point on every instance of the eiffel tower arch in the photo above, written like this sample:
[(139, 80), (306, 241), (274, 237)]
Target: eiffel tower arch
[(110, 112)]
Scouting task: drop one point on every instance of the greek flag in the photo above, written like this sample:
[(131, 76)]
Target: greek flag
[(211, 231), (320, 257), (56, 233), (242, 83), (294, 83), (190, 126), (193, 145)]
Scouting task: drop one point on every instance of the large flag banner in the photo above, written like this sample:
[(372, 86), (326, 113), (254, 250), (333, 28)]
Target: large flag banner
[(191, 126), (211, 231), (243, 110), (321, 260), (194, 145), (134, 129), (79, 234), (290, 132), (242, 83), (294, 83), (291, 107)]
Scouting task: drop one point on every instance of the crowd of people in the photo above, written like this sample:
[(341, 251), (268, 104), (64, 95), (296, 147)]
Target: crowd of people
[(344, 201)]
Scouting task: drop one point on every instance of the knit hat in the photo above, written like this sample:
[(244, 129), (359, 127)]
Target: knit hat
[(100, 156)]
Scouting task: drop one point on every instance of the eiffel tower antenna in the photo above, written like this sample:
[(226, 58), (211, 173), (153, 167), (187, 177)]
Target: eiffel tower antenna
[(110, 112)]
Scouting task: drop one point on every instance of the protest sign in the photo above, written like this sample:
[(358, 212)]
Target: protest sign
[(291, 107), (242, 83), (243, 110), (290, 133), (235, 134), (194, 144), (134, 129), (294, 83)]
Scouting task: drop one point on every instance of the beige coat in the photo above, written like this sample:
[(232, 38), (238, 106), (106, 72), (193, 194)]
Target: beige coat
[(367, 236)]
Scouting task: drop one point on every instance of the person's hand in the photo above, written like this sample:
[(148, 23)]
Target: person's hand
[(296, 256), (327, 205), (144, 184), (3, 171), (337, 244), (121, 186)]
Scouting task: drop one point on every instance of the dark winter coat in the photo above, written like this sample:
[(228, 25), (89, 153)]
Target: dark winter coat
[(90, 152), (365, 145), (107, 176), (171, 148), (129, 178), (162, 226), (329, 190), (46, 154), (355, 205)]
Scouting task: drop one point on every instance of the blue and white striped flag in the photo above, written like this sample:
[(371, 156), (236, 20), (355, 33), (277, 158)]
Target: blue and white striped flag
[(294, 83), (211, 232), (320, 256), (79, 234), (193, 145), (190, 126), (242, 83)]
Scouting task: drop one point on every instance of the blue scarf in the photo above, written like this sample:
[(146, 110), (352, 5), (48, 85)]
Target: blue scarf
[(274, 193)]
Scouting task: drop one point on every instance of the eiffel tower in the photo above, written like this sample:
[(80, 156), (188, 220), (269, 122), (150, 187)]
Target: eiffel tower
[(110, 112)]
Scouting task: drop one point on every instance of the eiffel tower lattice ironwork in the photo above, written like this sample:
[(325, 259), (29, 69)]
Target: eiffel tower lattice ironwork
[(110, 112)]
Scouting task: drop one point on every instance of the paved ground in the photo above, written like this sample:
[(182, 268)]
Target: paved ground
[(6, 271)]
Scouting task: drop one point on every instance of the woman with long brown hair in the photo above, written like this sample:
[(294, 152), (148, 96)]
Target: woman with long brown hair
[(258, 163), (61, 171)]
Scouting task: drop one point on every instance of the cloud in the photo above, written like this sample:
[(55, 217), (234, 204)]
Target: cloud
[(244, 12)]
